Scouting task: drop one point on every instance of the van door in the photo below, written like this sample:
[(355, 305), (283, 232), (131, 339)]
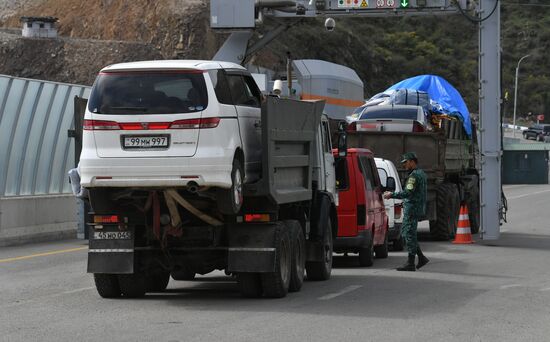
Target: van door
[(377, 200), (367, 176), (247, 99), (330, 180), (347, 188)]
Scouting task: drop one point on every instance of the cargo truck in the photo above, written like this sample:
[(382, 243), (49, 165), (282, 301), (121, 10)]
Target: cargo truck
[(142, 234)]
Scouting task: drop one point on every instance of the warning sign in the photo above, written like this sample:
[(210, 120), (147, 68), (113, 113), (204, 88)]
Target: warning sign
[(353, 3)]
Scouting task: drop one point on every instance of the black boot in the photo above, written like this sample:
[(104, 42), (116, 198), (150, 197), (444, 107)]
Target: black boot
[(422, 260), (409, 266)]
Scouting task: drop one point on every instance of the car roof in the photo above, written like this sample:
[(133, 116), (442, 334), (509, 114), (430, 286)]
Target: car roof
[(354, 150), (394, 107), (173, 64)]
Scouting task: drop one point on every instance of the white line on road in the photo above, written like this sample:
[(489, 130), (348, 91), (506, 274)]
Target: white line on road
[(504, 287), (343, 291), (525, 195), (545, 289)]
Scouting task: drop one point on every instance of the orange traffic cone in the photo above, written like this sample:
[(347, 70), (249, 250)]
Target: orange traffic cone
[(463, 232)]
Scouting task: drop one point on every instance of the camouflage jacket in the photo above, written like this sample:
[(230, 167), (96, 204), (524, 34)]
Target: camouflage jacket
[(414, 194)]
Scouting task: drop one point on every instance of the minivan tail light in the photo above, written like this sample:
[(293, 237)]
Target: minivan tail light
[(418, 127), (210, 122), (352, 127), (196, 123), (100, 125)]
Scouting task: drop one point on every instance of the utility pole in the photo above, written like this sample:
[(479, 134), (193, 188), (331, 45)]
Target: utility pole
[(516, 94), (490, 123)]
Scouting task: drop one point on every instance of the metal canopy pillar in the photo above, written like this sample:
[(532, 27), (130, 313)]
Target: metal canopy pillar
[(490, 123)]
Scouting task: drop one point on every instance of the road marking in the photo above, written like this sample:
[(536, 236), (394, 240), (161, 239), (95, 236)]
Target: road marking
[(43, 254), (545, 289), (344, 291), (525, 195), (504, 287)]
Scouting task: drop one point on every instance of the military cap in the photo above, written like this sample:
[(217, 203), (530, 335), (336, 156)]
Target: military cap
[(408, 156)]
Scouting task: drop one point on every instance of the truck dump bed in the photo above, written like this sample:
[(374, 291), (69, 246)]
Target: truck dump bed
[(289, 130), (438, 156)]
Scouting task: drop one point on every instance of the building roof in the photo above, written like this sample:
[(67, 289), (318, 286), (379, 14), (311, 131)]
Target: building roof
[(39, 19)]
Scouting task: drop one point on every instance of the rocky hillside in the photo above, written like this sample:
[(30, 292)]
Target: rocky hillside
[(97, 33)]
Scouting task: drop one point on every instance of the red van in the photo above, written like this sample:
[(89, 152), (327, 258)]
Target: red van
[(362, 220)]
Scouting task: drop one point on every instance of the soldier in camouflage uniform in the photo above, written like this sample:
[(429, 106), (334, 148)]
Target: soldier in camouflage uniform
[(414, 198)]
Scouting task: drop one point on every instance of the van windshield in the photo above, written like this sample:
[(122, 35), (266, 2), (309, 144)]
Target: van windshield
[(148, 92), (389, 113)]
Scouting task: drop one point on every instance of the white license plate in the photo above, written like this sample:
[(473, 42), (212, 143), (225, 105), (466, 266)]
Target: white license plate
[(112, 235), (136, 141)]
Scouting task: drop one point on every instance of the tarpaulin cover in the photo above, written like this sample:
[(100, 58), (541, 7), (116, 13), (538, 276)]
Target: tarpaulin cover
[(441, 92)]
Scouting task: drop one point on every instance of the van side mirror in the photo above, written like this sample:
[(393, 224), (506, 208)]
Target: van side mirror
[(342, 144), (342, 125), (390, 184)]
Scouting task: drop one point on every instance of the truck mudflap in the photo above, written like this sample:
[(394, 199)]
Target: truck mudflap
[(111, 249), (251, 248)]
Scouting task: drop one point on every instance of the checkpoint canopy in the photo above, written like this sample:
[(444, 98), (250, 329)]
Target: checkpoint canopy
[(448, 99)]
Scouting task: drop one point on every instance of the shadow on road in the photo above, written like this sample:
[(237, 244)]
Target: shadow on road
[(520, 240), (376, 296)]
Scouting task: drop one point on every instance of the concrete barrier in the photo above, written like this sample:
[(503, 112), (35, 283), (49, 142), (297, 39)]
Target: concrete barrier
[(28, 219)]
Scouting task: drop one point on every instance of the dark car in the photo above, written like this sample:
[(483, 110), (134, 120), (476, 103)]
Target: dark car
[(537, 132)]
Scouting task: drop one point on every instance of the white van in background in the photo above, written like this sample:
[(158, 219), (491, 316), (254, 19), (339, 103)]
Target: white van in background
[(394, 207)]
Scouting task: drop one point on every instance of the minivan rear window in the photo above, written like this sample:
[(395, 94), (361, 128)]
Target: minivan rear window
[(397, 113), (149, 92)]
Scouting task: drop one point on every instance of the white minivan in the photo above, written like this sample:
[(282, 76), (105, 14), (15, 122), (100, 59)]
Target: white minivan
[(180, 123), (394, 207)]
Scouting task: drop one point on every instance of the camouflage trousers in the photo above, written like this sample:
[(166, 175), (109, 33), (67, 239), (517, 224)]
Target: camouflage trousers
[(408, 231)]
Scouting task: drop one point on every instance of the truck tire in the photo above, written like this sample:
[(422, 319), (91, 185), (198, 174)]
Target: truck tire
[(381, 251), (275, 284), (366, 254), (157, 282), (321, 270), (132, 285), (473, 209), (250, 284), (230, 200), (298, 241), (107, 285), (448, 200)]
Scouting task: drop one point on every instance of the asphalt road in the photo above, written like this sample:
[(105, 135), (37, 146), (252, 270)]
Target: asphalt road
[(497, 291)]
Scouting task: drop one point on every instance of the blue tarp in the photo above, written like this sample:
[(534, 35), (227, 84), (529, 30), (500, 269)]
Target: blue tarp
[(441, 92)]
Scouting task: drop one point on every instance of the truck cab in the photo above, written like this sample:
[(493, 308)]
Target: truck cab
[(362, 219)]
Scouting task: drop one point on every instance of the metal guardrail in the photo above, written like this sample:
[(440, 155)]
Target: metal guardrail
[(35, 151)]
